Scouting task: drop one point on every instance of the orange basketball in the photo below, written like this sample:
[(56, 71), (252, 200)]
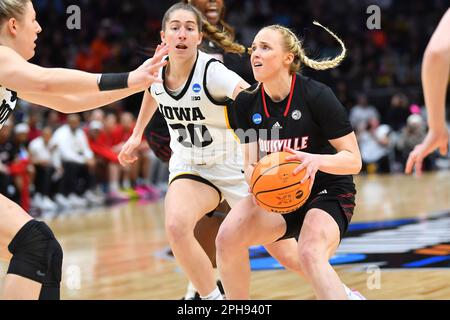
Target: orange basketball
[(274, 186)]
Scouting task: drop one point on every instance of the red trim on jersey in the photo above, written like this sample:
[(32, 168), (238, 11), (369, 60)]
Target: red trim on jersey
[(288, 106)]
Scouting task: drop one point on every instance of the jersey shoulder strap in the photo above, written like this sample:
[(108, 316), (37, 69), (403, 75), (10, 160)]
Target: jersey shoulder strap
[(228, 101)]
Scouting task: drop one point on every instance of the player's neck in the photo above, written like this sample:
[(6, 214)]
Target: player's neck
[(6, 42), (178, 70), (278, 87)]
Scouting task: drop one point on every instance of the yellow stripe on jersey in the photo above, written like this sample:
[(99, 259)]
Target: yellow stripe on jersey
[(227, 122)]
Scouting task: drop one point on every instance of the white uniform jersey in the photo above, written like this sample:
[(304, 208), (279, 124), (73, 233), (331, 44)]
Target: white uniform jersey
[(198, 124), (8, 99)]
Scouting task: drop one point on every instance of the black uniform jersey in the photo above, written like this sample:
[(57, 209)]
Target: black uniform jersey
[(306, 123)]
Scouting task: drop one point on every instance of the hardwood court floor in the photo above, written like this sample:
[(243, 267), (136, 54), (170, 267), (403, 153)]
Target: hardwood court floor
[(115, 252)]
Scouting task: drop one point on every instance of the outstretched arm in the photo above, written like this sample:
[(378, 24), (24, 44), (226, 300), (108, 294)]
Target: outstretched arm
[(435, 72), (73, 103), (27, 78)]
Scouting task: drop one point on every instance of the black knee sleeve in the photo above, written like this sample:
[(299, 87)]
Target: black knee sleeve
[(37, 255)]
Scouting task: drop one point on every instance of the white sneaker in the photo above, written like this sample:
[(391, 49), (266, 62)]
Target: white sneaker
[(37, 201), (48, 204), (93, 199), (62, 201), (355, 295), (48, 215), (77, 201)]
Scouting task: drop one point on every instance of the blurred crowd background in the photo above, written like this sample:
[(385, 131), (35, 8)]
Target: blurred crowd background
[(50, 161)]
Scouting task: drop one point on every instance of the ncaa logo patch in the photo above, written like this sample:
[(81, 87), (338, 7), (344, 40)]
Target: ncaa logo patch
[(257, 118), (196, 88), (296, 114)]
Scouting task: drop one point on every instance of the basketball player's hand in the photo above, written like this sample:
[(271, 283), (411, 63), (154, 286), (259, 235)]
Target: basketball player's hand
[(433, 140), (252, 196), (310, 162), (248, 172), (148, 72), (127, 154)]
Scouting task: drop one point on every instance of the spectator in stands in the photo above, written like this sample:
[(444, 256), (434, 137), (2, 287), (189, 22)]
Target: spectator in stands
[(140, 170), (54, 119), (375, 146), (77, 159), (398, 111), (362, 114), (7, 186), (20, 168), (411, 135), (33, 124), (41, 155), (108, 169)]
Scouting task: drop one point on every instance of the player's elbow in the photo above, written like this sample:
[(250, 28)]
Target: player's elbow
[(436, 53), (354, 164), (357, 165)]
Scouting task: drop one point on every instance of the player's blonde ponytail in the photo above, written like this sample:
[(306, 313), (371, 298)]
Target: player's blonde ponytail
[(295, 46)]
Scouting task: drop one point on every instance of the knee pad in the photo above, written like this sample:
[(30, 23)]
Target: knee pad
[(37, 256)]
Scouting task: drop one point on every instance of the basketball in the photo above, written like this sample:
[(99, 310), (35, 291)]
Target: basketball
[(274, 186)]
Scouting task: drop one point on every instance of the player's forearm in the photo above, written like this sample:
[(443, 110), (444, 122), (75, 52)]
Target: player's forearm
[(341, 163), (58, 80), (99, 99), (145, 114), (435, 72), (77, 103)]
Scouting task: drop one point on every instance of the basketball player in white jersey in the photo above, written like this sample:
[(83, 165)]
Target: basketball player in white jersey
[(35, 268), (435, 80)]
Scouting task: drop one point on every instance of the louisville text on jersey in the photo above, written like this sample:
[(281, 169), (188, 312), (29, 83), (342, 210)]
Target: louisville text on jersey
[(278, 145)]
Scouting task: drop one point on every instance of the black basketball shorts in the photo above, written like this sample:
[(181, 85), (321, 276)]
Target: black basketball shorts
[(337, 201)]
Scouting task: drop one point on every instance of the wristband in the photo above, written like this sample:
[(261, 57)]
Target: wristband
[(113, 81)]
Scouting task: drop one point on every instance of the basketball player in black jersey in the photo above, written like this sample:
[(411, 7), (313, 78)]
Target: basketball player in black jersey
[(35, 268), (435, 73), (287, 111)]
